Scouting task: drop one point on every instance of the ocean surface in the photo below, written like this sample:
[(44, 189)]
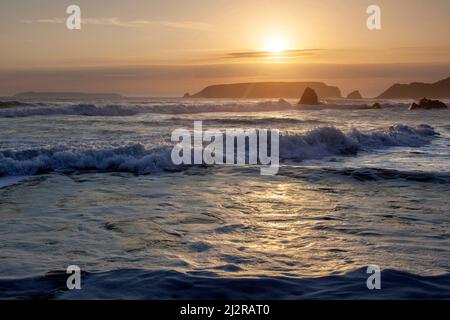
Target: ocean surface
[(92, 184)]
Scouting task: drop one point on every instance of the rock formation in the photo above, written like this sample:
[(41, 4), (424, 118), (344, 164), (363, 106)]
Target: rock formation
[(376, 105), (354, 95), (428, 104), (309, 97)]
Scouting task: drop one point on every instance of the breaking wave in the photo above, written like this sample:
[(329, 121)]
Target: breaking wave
[(137, 158), (133, 158), (129, 110), (14, 109), (329, 141), (78, 109), (13, 104)]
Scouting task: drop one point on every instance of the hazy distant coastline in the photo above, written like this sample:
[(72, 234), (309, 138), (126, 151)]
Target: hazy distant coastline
[(66, 95)]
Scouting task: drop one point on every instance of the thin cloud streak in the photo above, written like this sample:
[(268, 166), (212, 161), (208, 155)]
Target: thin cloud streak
[(113, 21), (297, 53)]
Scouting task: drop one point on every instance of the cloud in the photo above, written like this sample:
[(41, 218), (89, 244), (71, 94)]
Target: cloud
[(51, 20), (194, 25), (298, 53), (116, 22)]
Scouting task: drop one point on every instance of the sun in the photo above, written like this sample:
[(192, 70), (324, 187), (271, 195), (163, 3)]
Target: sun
[(276, 44)]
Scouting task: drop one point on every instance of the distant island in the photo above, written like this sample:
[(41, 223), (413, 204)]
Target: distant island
[(254, 90), (66, 95), (416, 90)]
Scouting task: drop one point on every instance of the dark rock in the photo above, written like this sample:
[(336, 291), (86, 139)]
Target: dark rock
[(428, 104), (413, 106), (186, 95), (354, 95), (376, 105), (283, 102), (309, 97)]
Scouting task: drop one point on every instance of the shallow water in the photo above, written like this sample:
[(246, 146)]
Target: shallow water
[(100, 192)]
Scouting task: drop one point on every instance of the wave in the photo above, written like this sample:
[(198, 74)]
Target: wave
[(129, 110), (16, 104), (12, 109), (133, 158), (270, 121), (374, 174), (78, 109), (19, 109), (137, 158), (169, 284), (10, 181), (329, 141), (13, 104), (367, 174)]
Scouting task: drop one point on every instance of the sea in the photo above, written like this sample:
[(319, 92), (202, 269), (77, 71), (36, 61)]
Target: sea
[(92, 184)]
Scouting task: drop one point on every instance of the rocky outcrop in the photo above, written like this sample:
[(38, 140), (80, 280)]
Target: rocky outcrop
[(354, 95), (309, 97), (427, 104), (416, 90), (186, 95), (267, 90), (376, 105)]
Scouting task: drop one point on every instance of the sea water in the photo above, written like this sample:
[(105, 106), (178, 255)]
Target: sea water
[(92, 184)]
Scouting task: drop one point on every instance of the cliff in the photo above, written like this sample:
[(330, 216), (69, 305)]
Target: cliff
[(267, 90), (416, 90)]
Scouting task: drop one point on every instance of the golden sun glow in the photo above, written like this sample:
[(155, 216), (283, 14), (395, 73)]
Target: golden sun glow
[(276, 44)]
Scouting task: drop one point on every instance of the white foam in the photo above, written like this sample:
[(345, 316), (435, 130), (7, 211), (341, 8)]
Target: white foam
[(329, 141), (315, 144), (133, 109), (134, 158)]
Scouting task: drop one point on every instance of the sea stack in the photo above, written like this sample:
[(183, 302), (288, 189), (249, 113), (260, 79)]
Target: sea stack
[(354, 95), (428, 104), (186, 95), (309, 97)]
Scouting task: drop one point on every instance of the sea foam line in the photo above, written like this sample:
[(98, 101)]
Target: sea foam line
[(137, 158)]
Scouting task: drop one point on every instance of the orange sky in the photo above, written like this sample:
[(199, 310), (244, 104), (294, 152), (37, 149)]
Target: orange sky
[(142, 47)]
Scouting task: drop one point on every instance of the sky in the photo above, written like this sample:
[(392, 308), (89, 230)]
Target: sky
[(167, 48)]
